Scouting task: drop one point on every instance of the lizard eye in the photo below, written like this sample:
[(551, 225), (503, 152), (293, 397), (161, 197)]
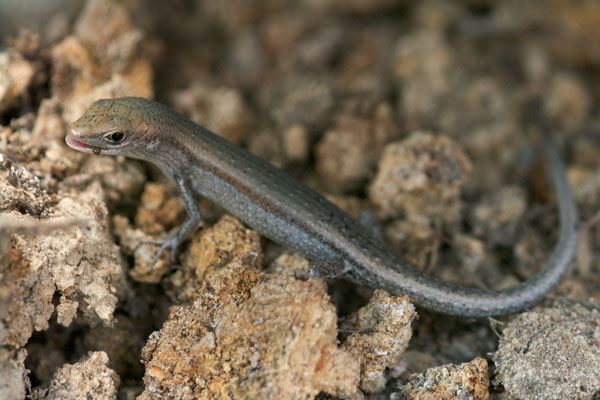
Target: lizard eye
[(115, 137)]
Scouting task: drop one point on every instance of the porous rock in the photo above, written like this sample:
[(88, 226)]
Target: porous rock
[(382, 332), (450, 382), (551, 353), (250, 335), (89, 379)]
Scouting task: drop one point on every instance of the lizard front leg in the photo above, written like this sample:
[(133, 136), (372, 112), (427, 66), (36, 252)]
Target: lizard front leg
[(194, 218)]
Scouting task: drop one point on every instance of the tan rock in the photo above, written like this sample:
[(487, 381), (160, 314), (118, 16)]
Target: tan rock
[(15, 75), (88, 379), (60, 254), (450, 382), (421, 175), (382, 332), (249, 336), (348, 153)]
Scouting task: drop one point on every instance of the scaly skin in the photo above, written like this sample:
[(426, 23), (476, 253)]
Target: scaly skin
[(288, 212)]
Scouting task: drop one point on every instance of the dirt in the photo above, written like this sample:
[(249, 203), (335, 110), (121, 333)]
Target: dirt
[(426, 113)]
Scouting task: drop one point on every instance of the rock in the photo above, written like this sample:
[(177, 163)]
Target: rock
[(88, 379), (449, 382), (61, 255), (348, 153), (420, 175), (15, 75), (382, 332), (13, 374), (551, 353), (249, 335), (221, 110)]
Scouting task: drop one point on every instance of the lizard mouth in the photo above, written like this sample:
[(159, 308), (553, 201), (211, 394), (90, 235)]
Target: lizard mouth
[(80, 146)]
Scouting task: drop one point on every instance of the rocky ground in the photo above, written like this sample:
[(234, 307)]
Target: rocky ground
[(428, 113)]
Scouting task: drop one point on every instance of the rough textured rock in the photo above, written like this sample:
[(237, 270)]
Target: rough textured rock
[(219, 109), (450, 382), (250, 335), (348, 153), (101, 59), (14, 383), (15, 75), (416, 238), (383, 331), (122, 342), (497, 215), (160, 210), (307, 100), (21, 190), (422, 62), (295, 143), (421, 175), (59, 254), (227, 242), (73, 263), (317, 88), (551, 353), (290, 263), (89, 379)]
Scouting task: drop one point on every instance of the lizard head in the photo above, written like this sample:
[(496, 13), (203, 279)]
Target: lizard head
[(113, 126)]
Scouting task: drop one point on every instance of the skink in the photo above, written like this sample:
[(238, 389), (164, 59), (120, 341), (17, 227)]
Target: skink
[(288, 212)]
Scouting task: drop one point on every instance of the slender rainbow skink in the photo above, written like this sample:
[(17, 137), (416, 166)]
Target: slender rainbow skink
[(288, 212)]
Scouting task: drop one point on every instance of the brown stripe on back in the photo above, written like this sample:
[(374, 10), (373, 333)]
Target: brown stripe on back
[(239, 186)]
